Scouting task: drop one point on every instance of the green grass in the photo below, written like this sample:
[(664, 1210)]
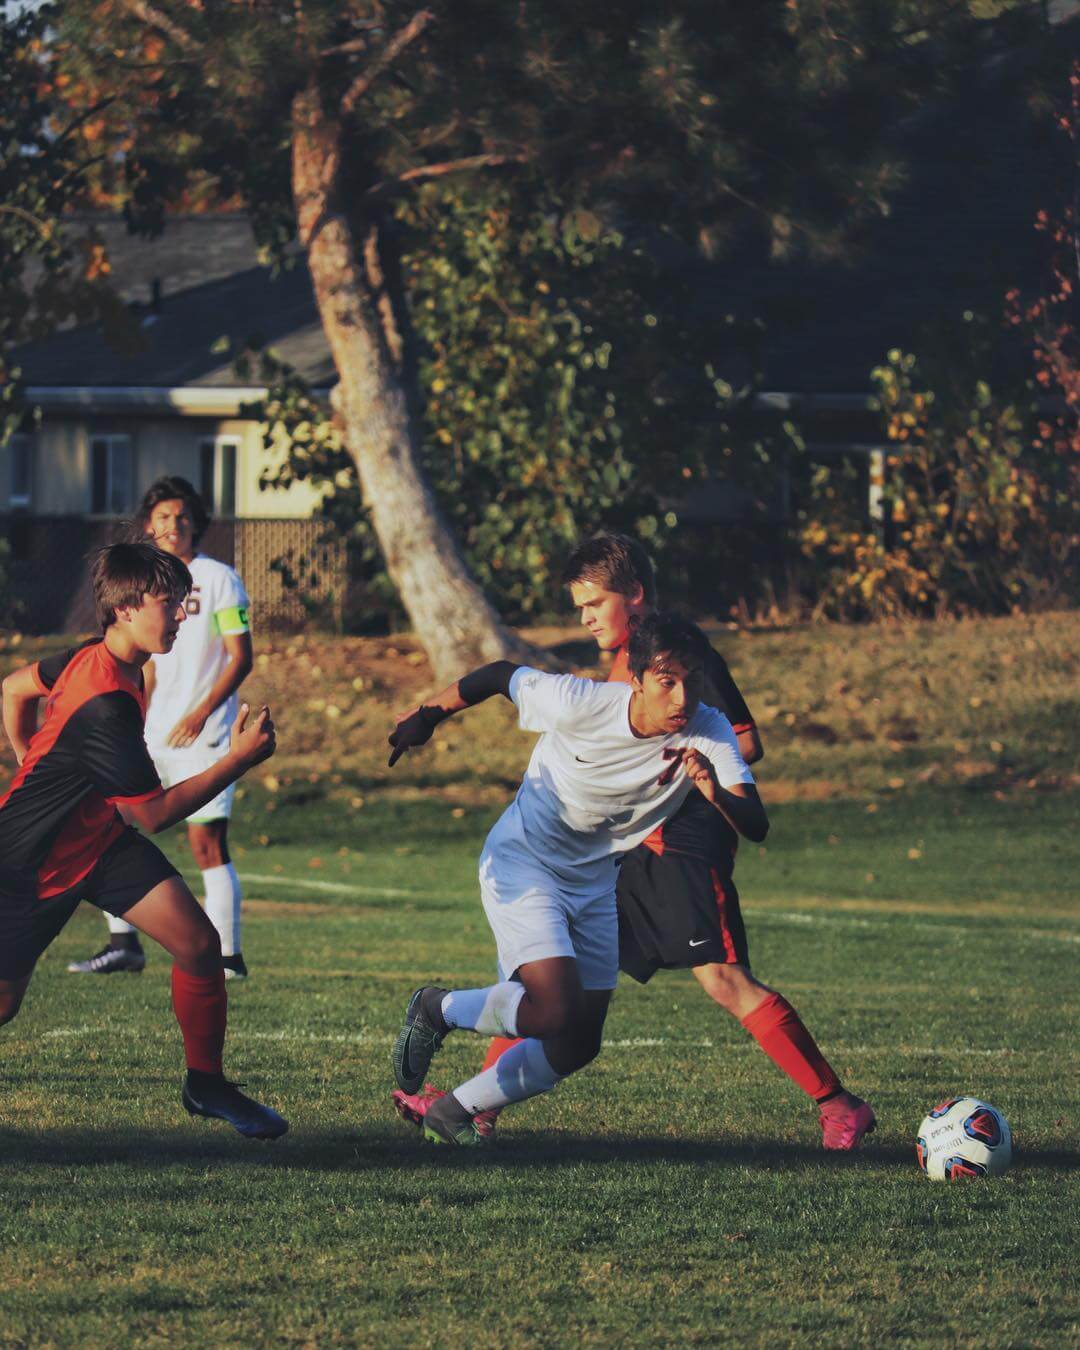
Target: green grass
[(673, 1193), (916, 899)]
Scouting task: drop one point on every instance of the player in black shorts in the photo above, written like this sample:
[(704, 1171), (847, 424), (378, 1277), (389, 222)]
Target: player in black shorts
[(677, 902), (84, 780)]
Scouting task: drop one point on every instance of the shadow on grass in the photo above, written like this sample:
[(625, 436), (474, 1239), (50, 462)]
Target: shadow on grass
[(379, 1149)]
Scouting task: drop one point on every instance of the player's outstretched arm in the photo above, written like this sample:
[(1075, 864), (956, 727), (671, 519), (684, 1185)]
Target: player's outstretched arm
[(248, 746), (417, 726), (739, 803), (21, 694)]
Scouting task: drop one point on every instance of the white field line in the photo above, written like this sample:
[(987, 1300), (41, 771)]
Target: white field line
[(381, 1040), (758, 915), (333, 887)]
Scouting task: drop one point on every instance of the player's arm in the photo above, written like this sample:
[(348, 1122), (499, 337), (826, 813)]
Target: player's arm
[(248, 746), (730, 701), (738, 803), (22, 690), (417, 725), (238, 663)]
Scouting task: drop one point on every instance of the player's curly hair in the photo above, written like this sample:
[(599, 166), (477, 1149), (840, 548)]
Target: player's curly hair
[(615, 562), (122, 574), (665, 634), (171, 488)]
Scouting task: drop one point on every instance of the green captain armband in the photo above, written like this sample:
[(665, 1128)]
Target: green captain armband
[(234, 620)]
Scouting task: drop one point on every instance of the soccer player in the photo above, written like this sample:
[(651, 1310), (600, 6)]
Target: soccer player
[(677, 902), (611, 763), (85, 779), (192, 693)]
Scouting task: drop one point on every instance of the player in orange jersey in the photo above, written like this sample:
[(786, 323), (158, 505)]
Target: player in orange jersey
[(85, 780), (677, 903)]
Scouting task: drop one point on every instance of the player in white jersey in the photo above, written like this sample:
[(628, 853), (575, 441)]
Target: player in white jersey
[(613, 762), (193, 705)]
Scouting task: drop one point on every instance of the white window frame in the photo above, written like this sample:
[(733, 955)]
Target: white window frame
[(219, 444), (116, 445), (21, 443)]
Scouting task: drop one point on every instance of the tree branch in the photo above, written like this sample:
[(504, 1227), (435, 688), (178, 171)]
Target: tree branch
[(448, 166), (384, 60), (154, 18)]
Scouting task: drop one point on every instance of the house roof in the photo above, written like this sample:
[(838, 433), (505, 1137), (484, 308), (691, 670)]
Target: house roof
[(956, 238)]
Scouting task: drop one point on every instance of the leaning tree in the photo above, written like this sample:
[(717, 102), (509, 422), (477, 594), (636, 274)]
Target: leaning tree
[(705, 118)]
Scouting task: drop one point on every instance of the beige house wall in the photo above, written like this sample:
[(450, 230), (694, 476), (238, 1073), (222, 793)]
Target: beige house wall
[(61, 474)]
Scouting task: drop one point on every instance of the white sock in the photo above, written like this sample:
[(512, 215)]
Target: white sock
[(492, 1011), (520, 1072), (120, 925), (223, 905)]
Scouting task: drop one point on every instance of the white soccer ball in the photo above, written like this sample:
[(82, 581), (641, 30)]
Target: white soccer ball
[(964, 1137)]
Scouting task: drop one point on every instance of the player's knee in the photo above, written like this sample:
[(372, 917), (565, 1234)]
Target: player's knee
[(725, 985), (198, 946), (9, 1007), (208, 851), (556, 1015)]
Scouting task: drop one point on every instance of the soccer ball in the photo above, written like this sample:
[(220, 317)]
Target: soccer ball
[(964, 1137)]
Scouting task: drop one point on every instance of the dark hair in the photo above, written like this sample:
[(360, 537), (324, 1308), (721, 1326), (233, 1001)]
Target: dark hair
[(613, 561), (665, 634), (172, 488), (123, 573)]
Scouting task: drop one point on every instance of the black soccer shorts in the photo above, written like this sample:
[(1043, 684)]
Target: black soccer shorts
[(676, 911), (128, 870)]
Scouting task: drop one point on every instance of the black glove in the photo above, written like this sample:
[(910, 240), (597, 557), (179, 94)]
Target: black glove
[(414, 730)]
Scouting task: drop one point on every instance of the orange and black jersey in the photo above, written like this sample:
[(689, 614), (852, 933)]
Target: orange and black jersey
[(59, 814), (697, 827)]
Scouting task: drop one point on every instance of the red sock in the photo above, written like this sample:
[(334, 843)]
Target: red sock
[(199, 1003), (499, 1044), (778, 1029)]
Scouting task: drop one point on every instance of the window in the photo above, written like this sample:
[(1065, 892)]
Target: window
[(217, 475), (111, 475), (21, 460)]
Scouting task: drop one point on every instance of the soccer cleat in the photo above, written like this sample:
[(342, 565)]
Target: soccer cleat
[(414, 1106), (844, 1121), (235, 967), (221, 1100), (109, 961), (421, 1035), (447, 1122)]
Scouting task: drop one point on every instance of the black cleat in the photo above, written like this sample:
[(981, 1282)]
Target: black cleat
[(421, 1035), (109, 961), (220, 1100), (235, 967)]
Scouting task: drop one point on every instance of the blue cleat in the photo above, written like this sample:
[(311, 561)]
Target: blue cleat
[(421, 1035), (221, 1100)]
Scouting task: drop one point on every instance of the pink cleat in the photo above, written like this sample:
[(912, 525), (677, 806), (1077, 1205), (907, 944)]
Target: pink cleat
[(844, 1121), (413, 1107)]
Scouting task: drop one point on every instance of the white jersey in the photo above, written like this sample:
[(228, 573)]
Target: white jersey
[(217, 607), (592, 787)]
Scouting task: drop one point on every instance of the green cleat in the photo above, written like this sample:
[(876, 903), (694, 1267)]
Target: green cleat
[(421, 1035), (447, 1122)]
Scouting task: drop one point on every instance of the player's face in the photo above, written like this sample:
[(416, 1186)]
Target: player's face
[(172, 529), (155, 624), (608, 615), (670, 693)]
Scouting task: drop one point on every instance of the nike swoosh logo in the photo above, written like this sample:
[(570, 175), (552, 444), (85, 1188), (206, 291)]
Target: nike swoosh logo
[(700, 942), (582, 761)]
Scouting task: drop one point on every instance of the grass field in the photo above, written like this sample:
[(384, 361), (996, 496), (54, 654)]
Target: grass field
[(673, 1193)]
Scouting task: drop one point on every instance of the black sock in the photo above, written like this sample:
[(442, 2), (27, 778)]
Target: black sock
[(197, 1078), (125, 942), (431, 1006), (836, 1092)]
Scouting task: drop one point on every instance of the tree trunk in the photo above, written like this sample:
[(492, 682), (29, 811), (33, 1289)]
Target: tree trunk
[(449, 613)]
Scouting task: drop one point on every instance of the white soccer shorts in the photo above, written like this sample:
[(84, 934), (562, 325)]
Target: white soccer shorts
[(534, 917), (174, 766)]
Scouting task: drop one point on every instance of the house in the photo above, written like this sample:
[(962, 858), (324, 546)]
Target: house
[(106, 423)]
